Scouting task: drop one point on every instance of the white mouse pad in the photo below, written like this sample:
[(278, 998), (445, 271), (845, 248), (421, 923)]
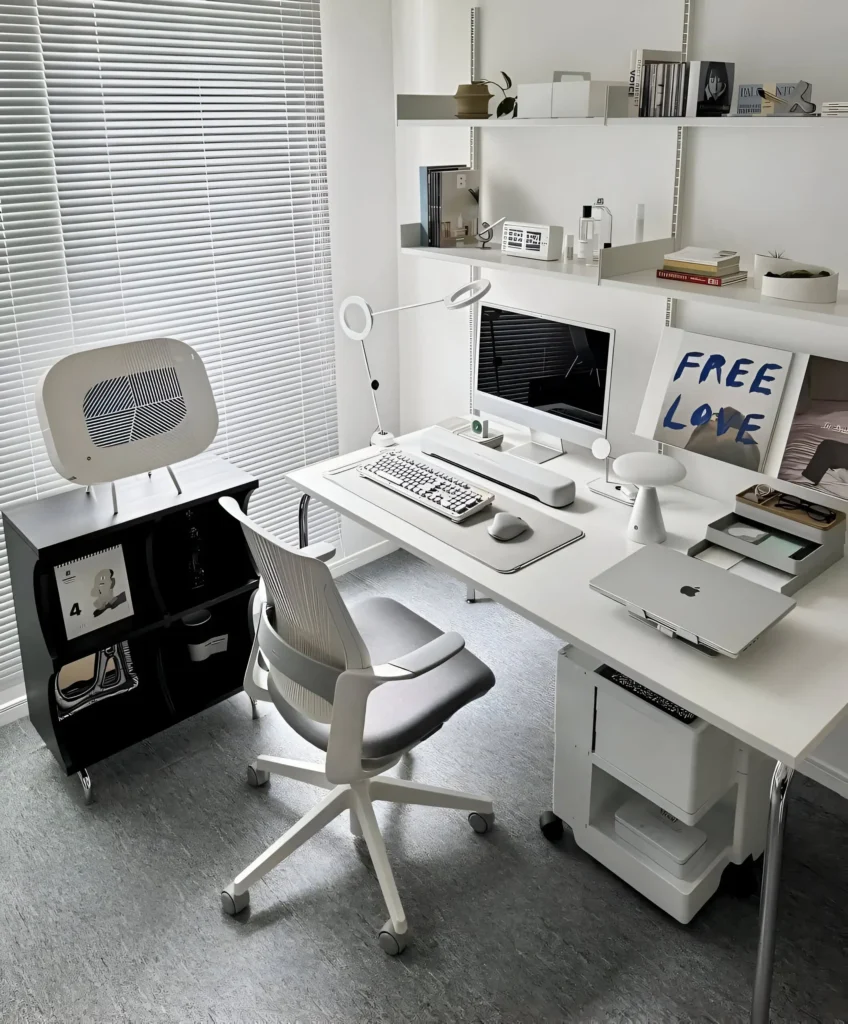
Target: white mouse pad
[(544, 536)]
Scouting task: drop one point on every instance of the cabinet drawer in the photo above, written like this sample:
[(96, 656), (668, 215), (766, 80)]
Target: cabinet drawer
[(690, 766)]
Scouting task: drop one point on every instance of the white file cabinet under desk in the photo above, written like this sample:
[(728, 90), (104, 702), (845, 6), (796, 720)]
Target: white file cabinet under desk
[(613, 746)]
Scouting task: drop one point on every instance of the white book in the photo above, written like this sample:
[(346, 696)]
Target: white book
[(708, 257)]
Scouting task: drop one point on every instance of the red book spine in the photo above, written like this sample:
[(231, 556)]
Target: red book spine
[(676, 275)]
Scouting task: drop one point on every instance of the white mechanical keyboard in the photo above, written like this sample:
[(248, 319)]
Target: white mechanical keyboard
[(442, 492)]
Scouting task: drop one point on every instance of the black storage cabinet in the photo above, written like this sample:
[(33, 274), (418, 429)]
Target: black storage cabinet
[(152, 527)]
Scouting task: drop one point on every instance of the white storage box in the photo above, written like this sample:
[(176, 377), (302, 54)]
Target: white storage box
[(688, 766), (572, 99), (654, 832)]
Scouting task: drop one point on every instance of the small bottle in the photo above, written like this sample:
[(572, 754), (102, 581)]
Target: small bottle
[(639, 225), (569, 247), (585, 235)]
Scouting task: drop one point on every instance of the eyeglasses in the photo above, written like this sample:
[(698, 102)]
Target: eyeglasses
[(818, 513)]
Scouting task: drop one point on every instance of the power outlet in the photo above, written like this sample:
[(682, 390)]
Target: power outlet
[(462, 181)]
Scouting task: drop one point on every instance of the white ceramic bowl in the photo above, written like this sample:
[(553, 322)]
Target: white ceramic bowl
[(803, 289)]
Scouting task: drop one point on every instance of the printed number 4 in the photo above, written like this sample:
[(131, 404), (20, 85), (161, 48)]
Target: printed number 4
[(76, 609)]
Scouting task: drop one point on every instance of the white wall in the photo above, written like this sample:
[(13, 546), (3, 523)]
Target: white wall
[(750, 190), (359, 102)]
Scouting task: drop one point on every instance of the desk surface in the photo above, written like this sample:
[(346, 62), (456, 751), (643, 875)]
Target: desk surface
[(782, 696)]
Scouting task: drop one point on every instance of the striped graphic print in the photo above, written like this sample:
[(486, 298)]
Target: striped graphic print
[(140, 405)]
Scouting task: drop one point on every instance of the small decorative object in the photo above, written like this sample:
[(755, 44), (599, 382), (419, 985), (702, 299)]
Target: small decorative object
[(774, 260), (79, 684), (508, 106), (802, 283), (774, 99), (487, 233), (472, 101), (94, 591), (648, 470)]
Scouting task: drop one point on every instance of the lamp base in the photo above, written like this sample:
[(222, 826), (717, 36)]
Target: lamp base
[(383, 439), (646, 522)]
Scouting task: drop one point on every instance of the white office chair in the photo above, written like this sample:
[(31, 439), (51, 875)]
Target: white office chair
[(364, 684)]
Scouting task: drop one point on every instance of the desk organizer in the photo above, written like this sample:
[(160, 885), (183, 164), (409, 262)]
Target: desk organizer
[(824, 543)]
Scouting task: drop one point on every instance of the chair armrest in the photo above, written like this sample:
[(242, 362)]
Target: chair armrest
[(320, 550), (422, 660)]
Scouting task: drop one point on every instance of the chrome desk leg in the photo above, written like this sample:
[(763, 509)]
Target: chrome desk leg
[(768, 896), (87, 791), (470, 594), (254, 709), (303, 521)]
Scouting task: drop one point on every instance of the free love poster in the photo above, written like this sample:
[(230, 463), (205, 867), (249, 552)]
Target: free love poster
[(722, 398)]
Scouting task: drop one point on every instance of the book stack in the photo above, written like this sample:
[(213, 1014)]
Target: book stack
[(835, 108), (662, 84), (713, 267), (663, 90)]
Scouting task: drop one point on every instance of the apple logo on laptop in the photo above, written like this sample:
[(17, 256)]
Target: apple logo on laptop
[(690, 591)]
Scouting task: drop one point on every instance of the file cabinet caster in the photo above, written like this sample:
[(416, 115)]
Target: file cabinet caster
[(552, 826), (392, 942), (232, 904)]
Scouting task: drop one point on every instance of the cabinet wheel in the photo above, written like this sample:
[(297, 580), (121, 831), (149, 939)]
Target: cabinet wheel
[(256, 777), (232, 904), (552, 826)]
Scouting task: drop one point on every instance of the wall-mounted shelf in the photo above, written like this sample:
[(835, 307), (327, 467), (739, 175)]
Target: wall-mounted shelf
[(424, 111), (633, 268), (494, 259)]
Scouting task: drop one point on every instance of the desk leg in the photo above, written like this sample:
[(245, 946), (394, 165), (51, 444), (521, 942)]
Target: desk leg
[(303, 521), (768, 897)]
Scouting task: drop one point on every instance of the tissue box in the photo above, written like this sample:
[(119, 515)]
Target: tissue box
[(573, 99)]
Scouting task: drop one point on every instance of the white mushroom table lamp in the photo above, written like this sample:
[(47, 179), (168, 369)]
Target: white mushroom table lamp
[(648, 470), (463, 297)]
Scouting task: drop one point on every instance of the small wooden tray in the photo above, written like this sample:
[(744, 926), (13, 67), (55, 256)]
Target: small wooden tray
[(795, 515)]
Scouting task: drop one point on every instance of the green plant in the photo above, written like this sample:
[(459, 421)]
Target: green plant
[(775, 255), (509, 104)]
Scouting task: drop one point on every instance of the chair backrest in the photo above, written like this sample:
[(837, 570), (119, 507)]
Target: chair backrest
[(310, 638)]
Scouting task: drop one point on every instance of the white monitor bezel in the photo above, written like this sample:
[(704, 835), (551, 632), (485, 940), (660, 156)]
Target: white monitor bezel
[(544, 422)]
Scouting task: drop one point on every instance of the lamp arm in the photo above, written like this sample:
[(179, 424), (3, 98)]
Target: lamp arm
[(371, 388), (414, 305)]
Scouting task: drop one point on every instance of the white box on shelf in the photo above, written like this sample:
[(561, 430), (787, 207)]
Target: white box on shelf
[(579, 98), (657, 834), (689, 767)]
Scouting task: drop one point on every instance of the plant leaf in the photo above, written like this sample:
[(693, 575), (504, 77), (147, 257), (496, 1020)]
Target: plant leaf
[(507, 79), (506, 106)]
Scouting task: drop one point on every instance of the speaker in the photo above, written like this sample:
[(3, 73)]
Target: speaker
[(113, 412)]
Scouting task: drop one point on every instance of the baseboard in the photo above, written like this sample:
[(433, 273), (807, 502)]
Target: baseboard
[(13, 707), (340, 566)]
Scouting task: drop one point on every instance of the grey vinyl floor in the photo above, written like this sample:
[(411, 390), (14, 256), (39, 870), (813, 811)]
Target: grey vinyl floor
[(111, 913)]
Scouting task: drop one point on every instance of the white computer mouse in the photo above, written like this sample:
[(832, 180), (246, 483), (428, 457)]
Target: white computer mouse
[(506, 527)]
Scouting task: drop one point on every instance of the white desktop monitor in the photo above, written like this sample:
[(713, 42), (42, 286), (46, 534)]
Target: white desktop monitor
[(545, 373)]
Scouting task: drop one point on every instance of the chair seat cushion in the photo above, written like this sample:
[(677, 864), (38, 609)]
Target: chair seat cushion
[(404, 712)]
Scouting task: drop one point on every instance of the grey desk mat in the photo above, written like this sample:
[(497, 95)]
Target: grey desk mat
[(544, 536)]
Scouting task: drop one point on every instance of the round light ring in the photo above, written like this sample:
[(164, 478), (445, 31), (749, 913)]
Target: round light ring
[(468, 294), (367, 312)]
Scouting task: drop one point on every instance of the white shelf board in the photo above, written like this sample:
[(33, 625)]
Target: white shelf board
[(761, 123), (493, 258), (505, 122), (736, 296)]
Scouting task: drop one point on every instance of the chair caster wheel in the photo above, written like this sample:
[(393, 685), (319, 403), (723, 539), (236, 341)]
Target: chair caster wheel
[(256, 777), (391, 941), (232, 904), (552, 826), (481, 823)]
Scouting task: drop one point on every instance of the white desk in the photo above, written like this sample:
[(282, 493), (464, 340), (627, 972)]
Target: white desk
[(782, 697)]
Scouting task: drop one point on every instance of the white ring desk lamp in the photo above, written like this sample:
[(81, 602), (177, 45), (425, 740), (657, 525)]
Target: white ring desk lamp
[(465, 296)]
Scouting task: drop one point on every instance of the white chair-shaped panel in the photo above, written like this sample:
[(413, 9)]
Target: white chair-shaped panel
[(363, 684)]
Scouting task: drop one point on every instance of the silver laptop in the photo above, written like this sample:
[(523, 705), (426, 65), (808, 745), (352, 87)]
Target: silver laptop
[(692, 600)]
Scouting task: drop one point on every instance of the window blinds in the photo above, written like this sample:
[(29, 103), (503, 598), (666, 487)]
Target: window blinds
[(163, 173)]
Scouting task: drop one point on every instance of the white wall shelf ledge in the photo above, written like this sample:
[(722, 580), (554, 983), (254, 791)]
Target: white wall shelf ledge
[(493, 259)]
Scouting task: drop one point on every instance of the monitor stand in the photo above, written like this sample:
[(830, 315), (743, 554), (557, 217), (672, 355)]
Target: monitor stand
[(541, 448)]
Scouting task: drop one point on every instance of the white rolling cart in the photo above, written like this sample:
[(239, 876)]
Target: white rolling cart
[(612, 745)]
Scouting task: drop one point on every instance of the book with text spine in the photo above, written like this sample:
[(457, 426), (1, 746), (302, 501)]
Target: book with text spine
[(713, 282), (703, 270), (708, 258), (638, 61)]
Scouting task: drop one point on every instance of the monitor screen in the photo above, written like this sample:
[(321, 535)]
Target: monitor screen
[(546, 366)]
